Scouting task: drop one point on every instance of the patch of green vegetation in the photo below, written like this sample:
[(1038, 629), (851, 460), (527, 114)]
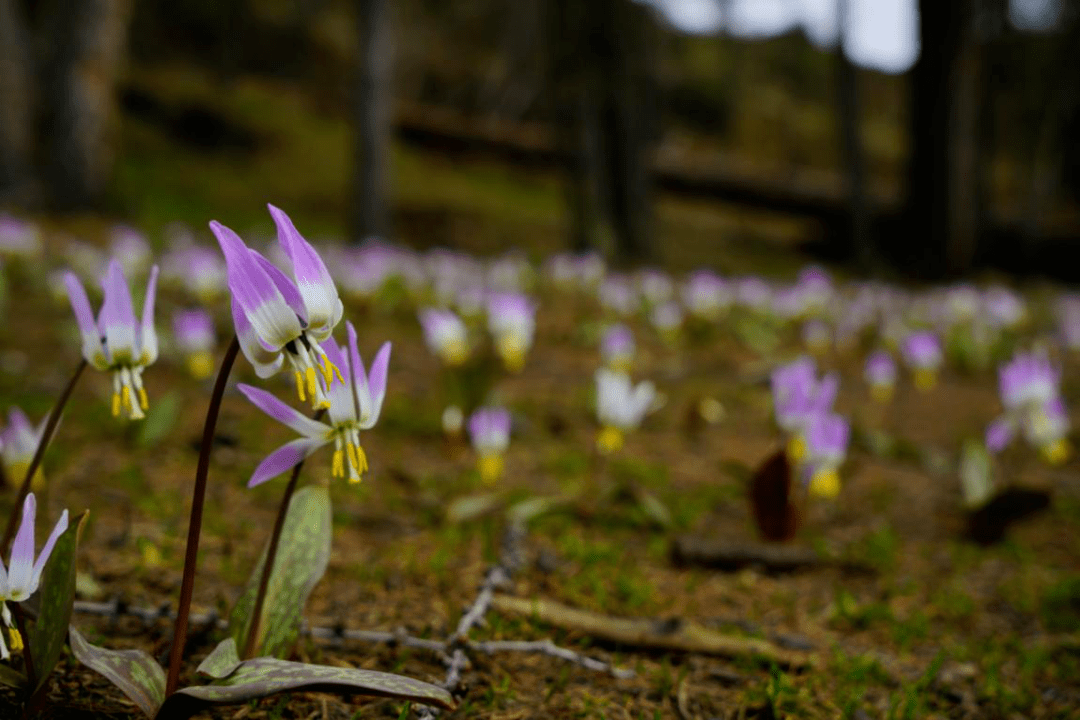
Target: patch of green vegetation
[(849, 613), (879, 548), (1060, 605)]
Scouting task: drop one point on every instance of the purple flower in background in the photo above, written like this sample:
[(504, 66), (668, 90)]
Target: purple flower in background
[(489, 431), (656, 286), (667, 319), (130, 247), (617, 347), (445, 335), (1030, 391), (19, 238), (706, 296), (922, 353), (798, 395), (827, 436), (617, 296), (18, 443), (754, 294), (115, 342), (193, 332), (356, 399), (512, 322), (880, 374), (198, 269), (20, 579), (279, 318)]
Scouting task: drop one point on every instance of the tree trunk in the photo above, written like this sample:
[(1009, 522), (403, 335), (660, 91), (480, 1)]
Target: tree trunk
[(372, 107), (16, 108), (627, 124), (83, 49), (941, 207), (847, 110)]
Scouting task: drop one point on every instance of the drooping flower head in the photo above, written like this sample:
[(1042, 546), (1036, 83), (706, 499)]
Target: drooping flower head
[(798, 394), (667, 319), (880, 374), (193, 331), (115, 341), (18, 443), (922, 353), (278, 318), (489, 431), (356, 399), (20, 579), (620, 407), (445, 335), (512, 322)]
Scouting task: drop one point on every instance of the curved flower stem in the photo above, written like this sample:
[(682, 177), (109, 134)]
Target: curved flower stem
[(198, 495), (39, 454), (271, 557)]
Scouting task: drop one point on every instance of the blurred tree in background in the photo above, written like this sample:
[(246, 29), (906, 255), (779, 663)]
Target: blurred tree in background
[(968, 159)]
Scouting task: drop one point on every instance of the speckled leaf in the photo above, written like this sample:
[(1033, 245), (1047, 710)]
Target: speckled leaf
[(301, 561), (57, 596), (134, 672), (262, 677), (222, 661)]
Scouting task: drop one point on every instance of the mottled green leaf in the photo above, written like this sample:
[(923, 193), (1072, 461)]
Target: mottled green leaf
[(222, 661), (262, 677), (525, 510), (134, 672), (57, 597), (301, 560)]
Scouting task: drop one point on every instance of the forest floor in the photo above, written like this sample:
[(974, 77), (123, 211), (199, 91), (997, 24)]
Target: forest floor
[(917, 622)]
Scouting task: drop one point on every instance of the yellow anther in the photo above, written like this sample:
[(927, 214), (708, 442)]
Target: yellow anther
[(1057, 452), (337, 468), (881, 392), (925, 379), (825, 484), (300, 385), (125, 398), (200, 365), (312, 387), (329, 370), (16, 640), (490, 467), (455, 352), (116, 404), (143, 401), (609, 440), (796, 449), (354, 461)]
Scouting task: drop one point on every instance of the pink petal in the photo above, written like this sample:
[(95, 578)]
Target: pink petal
[(284, 458), (284, 414)]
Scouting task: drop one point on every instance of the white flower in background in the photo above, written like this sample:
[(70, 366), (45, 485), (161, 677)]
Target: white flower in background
[(445, 335), (620, 407)]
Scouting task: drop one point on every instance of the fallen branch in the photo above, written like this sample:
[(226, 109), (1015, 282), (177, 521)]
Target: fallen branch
[(670, 634), (689, 550)]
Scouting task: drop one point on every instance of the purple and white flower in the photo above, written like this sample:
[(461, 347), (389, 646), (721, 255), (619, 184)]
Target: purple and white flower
[(880, 374), (512, 322), (445, 335), (18, 442), (922, 353), (356, 399), (617, 347), (827, 436), (278, 318), (22, 576), (115, 342), (1030, 388), (193, 333), (489, 431)]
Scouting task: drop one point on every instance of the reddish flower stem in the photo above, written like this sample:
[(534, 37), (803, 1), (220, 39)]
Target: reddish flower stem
[(191, 556)]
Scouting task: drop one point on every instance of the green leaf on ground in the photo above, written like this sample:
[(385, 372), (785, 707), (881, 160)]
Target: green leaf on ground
[(134, 672), (302, 556)]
